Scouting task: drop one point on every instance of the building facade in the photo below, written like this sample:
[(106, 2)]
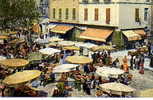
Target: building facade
[(124, 14), (101, 19), (64, 11), (151, 22), (43, 7)]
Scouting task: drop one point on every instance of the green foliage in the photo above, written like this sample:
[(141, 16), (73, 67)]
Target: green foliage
[(17, 13), (118, 39)]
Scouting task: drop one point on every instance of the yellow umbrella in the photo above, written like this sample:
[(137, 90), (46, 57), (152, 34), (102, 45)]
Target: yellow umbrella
[(53, 44), (118, 87), (12, 32), (71, 48), (78, 59), (104, 47), (16, 41), (55, 39), (4, 37), (13, 63), (21, 77), (146, 93)]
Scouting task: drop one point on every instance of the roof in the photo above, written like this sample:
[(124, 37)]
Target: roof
[(96, 34), (140, 32), (131, 35), (61, 29)]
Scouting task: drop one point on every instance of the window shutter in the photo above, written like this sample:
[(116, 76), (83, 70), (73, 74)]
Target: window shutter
[(107, 15)]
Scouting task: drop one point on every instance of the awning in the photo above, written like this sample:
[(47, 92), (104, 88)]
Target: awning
[(96, 34), (131, 35), (61, 29), (36, 28), (140, 32)]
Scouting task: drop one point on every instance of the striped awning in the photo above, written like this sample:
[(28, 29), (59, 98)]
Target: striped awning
[(131, 35), (61, 29), (96, 34)]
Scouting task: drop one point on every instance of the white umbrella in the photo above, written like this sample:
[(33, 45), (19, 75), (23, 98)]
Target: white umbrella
[(86, 45), (2, 58), (61, 70), (41, 40), (66, 43), (55, 39), (65, 66), (116, 87), (49, 51), (107, 71)]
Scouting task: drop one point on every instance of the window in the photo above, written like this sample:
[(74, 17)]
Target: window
[(60, 13), (96, 14), (85, 14), (95, 1), (137, 19), (67, 13), (54, 13), (74, 14), (145, 14), (107, 15), (85, 1)]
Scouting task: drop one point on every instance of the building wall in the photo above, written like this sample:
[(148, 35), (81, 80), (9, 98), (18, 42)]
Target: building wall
[(151, 19), (63, 4), (127, 16), (102, 14), (42, 6), (122, 13)]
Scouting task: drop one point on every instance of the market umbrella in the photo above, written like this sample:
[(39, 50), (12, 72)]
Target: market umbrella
[(53, 44), (2, 58), (78, 59), (66, 43), (21, 77), (17, 41), (12, 32), (86, 45), (49, 51), (4, 37), (118, 87), (146, 93), (14, 63), (66, 66), (107, 71), (55, 39), (104, 47), (71, 48), (35, 56)]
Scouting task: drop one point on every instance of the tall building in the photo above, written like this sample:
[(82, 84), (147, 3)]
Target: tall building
[(43, 6), (124, 14), (64, 11), (131, 17), (151, 16)]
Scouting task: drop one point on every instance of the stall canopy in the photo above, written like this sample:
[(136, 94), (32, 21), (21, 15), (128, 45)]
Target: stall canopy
[(36, 28), (96, 34), (61, 29), (140, 32), (131, 35)]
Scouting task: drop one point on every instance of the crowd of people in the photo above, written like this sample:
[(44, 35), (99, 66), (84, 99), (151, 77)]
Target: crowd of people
[(85, 80)]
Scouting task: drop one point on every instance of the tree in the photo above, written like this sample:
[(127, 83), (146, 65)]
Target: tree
[(17, 13), (118, 39)]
